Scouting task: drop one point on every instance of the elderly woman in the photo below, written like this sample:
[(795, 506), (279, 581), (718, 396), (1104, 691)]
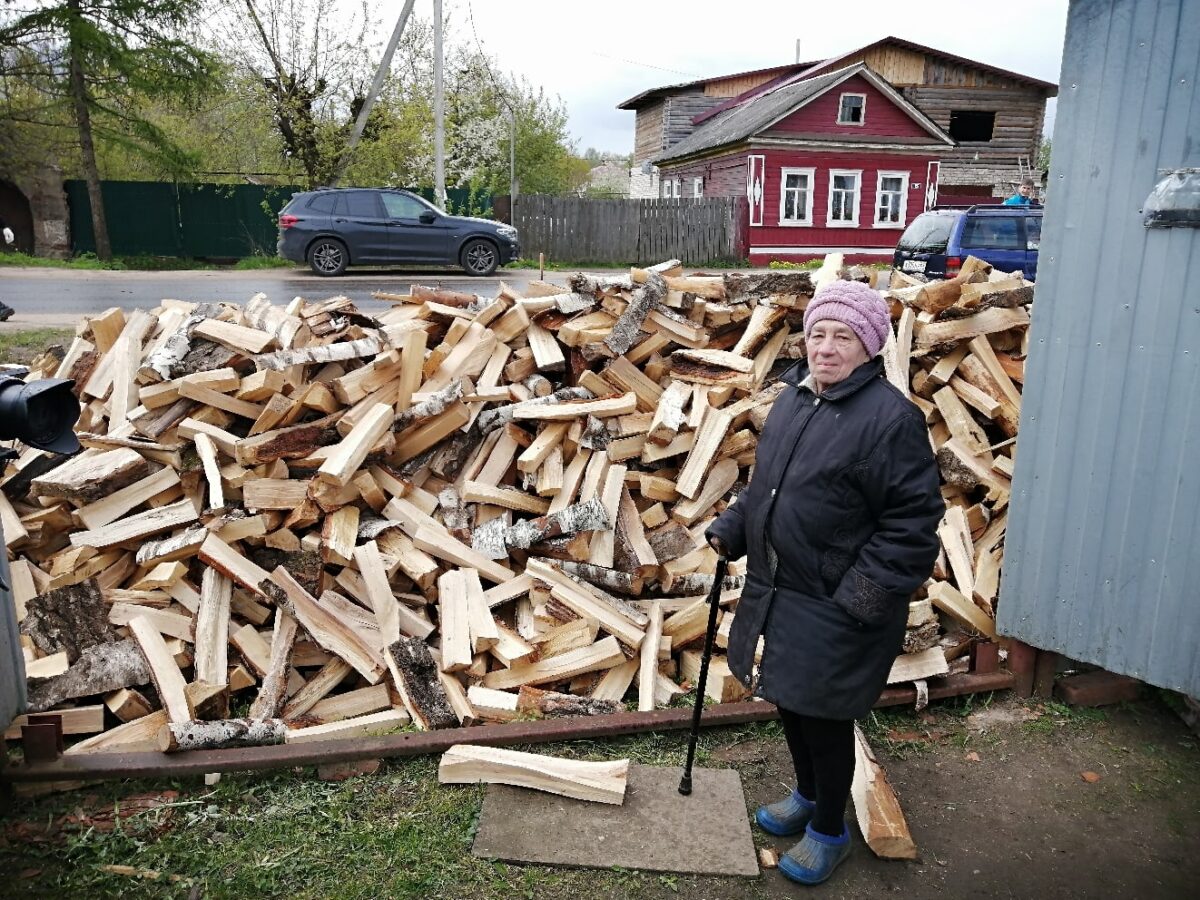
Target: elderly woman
[(839, 528)]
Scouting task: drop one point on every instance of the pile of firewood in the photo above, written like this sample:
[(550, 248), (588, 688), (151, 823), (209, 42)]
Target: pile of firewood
[(304, 522)]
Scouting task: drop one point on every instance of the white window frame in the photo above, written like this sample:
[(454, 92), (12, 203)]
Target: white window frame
[(807, 221), (829, 221), (904, 181), (668, 185), (697, 188), (861, 122)]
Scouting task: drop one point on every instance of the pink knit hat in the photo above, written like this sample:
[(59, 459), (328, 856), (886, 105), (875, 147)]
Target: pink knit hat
[(855, 304)]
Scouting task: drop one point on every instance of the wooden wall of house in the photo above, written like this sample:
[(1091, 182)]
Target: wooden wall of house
[(726, 176), (882, 118), (648, 132), (681, 109), (723, 176), (896, 64), (1019, 116), (664, 123), (724, 88)]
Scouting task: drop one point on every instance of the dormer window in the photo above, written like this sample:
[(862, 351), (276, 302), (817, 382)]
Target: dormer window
[(853, 109)]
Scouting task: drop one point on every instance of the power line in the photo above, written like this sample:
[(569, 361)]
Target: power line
[(484, 59), (634, 62)]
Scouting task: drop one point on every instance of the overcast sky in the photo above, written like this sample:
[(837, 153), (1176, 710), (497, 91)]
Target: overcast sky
[(600, 53)]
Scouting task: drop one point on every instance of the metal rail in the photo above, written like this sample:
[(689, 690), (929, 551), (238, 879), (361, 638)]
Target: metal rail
[(142, 764)]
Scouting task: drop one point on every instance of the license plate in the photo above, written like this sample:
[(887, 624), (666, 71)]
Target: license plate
[(913, 265)]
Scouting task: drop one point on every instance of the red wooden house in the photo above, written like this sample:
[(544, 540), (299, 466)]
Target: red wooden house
[(839, 160)]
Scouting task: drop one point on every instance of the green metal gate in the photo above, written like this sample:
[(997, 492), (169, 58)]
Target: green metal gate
[(189, 220), (213, 221)]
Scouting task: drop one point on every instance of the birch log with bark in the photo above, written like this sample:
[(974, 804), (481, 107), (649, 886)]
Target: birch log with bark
[(223, 734)]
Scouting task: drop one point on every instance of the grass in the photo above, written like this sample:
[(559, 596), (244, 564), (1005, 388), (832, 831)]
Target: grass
[(261, 261), (139, 263), (21, 347), (788, 265), (550, 265), (84, 261), (395, 834)]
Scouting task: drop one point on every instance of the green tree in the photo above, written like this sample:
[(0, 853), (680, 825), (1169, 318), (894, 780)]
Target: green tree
[(1043, 156), (104, 60), (310, 62)]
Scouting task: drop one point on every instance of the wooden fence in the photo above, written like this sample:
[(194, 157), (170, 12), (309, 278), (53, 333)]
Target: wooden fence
[(624, 232)]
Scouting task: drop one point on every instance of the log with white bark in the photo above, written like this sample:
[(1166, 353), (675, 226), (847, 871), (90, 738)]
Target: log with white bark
[(223, 734)]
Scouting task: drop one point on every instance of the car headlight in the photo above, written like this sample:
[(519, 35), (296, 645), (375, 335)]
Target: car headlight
[(506, 231)]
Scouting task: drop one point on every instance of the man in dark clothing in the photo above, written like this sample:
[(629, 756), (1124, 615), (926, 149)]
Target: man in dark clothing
[(839, 527)]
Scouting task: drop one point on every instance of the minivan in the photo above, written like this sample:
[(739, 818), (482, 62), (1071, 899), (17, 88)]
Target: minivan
[(936, 242)]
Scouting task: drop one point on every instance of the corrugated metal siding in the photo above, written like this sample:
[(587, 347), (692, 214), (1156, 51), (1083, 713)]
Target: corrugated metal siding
[(12, 666), (1103, 555)]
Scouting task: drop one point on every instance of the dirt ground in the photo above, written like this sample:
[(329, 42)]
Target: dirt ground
[(1001, 807)]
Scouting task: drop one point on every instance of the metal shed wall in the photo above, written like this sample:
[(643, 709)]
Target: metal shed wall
[(1102, 561), (12, 663)]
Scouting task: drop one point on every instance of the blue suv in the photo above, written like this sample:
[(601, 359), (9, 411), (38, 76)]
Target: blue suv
[(937, 242), (331, 229)]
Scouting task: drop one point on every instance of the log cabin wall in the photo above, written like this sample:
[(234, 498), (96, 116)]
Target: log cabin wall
[(648, 132), (1020, 112), (681, 108)]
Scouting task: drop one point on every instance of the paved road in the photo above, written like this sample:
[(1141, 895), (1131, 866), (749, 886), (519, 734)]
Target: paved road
[(55, 296)]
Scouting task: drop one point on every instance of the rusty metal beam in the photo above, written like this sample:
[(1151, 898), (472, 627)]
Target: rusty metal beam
[(93, 766)]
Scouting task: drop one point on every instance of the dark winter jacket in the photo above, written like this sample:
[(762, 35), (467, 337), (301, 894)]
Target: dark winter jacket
[(839, 526)]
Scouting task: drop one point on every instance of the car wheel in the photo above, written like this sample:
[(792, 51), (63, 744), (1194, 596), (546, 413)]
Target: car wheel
[(328, 256), (480, 257)]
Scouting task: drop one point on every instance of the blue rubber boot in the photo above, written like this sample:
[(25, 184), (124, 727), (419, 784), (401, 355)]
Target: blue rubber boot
[(813, 859), (785, 817)]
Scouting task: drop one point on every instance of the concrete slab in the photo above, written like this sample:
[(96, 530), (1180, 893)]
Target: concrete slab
[(656, 829)]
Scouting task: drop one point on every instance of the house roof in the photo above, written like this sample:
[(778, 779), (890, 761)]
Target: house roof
[(921, 48), (654, 93), (760, 112), (813, 68)]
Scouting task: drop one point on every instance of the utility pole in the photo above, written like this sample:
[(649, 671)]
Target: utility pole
[(512, 154), (385, 66), (439, 111), (797, 51)]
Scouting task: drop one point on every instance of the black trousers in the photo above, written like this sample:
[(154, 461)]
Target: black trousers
[(823, 754)]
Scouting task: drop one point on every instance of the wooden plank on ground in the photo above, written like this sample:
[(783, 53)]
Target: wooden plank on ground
[(599, 782)]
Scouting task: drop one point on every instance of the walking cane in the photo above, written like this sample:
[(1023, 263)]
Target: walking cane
[(714, 601)]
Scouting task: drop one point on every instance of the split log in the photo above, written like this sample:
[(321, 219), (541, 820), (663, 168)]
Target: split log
[(599, 782), (627, 327), (607, 579), (502, 415), (415, 675), (69, 619), (86, 479), (223, 734), (880, 818), (273, 692), (164, 671), (99, 669), (552, 704)]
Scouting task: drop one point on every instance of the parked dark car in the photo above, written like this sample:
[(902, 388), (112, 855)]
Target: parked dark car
[(331, 229), (936, 242)]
